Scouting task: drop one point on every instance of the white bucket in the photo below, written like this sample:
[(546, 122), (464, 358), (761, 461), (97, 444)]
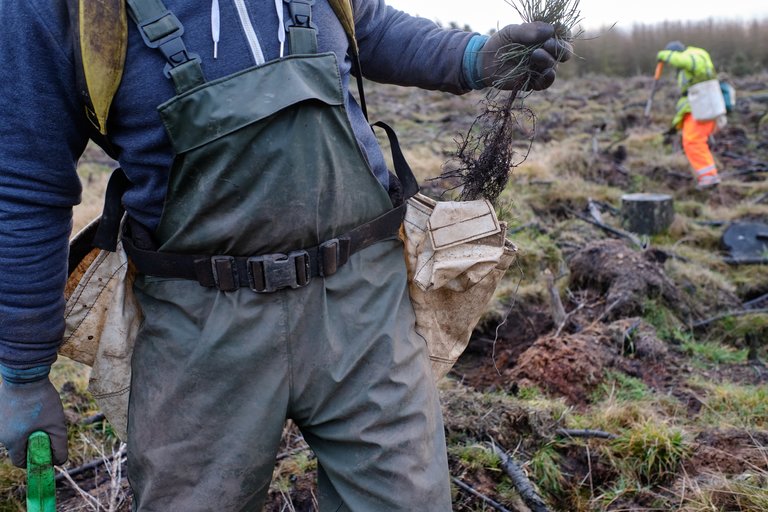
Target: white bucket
[(706, 99)]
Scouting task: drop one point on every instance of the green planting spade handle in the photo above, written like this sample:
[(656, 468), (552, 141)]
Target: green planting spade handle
[(41, 484)]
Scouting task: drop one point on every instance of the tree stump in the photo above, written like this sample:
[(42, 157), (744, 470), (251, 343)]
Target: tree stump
[(647, 214)]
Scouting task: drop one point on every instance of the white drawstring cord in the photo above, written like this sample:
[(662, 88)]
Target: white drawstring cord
[(280, 27), (215, 26)]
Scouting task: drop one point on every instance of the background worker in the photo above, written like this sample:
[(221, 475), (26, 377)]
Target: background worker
[(694, 65), (293, 166)]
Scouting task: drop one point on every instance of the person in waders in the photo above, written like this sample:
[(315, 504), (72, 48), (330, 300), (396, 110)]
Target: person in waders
[(260, 219), (694, 66)]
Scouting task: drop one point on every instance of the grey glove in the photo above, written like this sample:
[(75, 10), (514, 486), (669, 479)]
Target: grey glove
[(540, 64), (26, 408)]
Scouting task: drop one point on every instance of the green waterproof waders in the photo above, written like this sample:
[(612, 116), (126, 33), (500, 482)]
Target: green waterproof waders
[(266, 165)]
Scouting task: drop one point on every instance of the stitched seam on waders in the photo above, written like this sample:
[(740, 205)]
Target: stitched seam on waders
[(284, 300), (226, 78)]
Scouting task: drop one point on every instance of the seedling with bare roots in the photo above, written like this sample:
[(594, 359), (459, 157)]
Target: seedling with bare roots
[(486, 154)]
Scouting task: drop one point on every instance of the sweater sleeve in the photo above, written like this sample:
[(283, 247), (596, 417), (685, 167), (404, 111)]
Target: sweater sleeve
[(401, 49), (42, 133)]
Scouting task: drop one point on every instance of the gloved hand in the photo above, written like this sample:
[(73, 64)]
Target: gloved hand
[(669, 136), (542, 61), (26, 408)]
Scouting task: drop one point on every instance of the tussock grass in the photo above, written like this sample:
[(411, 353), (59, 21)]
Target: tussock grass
[(651, 452), (747, 492), (714, 352), (622, 388), (734, 405)]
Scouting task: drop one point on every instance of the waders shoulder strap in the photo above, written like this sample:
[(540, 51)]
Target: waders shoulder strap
[(343, 10), (100, 36), (162, 30)]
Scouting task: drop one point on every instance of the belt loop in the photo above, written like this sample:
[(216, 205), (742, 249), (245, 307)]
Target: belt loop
[(333, 254), (225, 273), (329, 257)]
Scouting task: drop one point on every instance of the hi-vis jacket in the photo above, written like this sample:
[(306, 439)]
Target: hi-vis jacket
[(43, 129), (694, 65)]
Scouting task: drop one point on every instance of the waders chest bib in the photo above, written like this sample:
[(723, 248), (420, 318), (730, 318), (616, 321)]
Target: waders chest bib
[(267, 164)]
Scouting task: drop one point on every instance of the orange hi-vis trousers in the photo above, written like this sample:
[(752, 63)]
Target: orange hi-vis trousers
[(696, 146)]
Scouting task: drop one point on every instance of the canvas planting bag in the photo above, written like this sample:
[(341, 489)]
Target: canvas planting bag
[(102, 319), (706, 99), (456, 254)]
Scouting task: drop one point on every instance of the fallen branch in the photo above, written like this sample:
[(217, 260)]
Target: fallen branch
[(614, 231), (594, 211), (713, 223), (466, 488), (760, 198), (679, 175), (707, 321), (523, 228), (744, 172), (96, 418), (750, 304), (746, 261), (586, 433), (94, 464), (521, 482)]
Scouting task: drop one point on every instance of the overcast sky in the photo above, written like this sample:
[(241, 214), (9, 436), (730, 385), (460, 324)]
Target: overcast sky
[(482, 15)]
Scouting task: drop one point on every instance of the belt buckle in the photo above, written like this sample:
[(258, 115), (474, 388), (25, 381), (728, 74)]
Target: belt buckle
[(272, 272)]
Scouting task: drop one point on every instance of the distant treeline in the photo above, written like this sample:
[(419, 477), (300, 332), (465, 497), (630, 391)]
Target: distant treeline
[(737, 48)]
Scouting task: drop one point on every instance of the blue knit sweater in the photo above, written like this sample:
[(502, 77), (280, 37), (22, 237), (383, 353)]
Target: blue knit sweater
[(43, 131)]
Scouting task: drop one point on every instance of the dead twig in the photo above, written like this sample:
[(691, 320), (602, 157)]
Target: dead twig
[(746, 261), (585, 434), (614, 231), (707, 321), (558, 311), (754, 302), (90, 501), (94, 464), (521, 482), (523, 228), (96, 418), (477, 494), (759, 199), (594, 211)]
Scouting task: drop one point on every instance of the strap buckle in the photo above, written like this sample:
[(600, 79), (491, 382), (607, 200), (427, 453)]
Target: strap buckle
[(273, 272), (166, 36), (300, 14), (169, 20)]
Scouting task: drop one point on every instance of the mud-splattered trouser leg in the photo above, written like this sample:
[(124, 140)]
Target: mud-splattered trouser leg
[(215, 375)]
